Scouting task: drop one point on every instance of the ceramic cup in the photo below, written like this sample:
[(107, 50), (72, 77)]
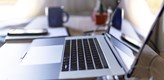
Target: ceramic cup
[(56, 16)]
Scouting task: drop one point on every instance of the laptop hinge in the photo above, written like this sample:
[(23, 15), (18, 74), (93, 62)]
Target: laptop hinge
[(107, 35), (114, 51)]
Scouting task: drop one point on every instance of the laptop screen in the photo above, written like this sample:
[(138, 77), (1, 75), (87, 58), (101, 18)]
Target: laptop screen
[(141, 15)]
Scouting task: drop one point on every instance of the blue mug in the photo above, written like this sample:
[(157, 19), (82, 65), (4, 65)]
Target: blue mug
[(56, 16)]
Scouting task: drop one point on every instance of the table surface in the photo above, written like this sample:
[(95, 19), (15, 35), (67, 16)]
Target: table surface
[(11, 52)]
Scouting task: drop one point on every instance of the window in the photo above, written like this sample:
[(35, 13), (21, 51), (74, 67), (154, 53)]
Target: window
[(4, 2), (19, 9)]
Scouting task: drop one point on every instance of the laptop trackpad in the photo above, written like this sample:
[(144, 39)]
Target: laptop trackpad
[(43, 55)]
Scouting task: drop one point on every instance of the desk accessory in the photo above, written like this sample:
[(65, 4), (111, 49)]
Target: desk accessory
[(117, 18), (100, 13), (52, 32), (27, 32), (56, 16)]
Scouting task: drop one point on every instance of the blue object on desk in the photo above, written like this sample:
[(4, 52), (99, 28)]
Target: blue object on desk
[(56, 15), (2, 40), (117, 18)]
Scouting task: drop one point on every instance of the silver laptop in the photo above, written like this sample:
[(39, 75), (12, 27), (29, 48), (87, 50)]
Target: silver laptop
[(89, 56)]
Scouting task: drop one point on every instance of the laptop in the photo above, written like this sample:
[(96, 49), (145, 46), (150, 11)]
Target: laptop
[(89, 56)]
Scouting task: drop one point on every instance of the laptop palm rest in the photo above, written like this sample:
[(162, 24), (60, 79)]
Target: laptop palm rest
[(43, 55), (42, 61), (44, 51), (36, 72)]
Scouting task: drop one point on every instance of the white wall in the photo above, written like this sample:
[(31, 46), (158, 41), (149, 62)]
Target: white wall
[(22, 9)]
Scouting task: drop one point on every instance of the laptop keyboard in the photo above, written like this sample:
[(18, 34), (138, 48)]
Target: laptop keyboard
[(83, 54)]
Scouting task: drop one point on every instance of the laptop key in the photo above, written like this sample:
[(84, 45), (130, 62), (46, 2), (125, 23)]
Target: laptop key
[(83, 54), (65, 67), (88, 55), (95, 55), (73, 67), (73, 56), (82, 66), (90, 66), (105, 65), (81, 60)]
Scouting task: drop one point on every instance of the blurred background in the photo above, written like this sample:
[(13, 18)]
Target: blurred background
[(16, 11), (21, 9)]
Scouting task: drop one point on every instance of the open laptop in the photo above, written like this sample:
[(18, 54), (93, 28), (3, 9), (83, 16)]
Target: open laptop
[(89, 56)]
